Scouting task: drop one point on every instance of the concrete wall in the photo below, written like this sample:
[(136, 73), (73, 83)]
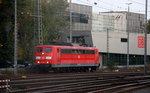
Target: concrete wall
[(87, 36), (102, 22), (122, 21), (115, 44), (82, 9), (80, 29)]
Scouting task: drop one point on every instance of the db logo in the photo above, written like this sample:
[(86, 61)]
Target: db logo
[(141, 40)]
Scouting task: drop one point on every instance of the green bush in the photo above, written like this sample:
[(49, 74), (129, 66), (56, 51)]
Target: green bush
[(6, 72), (111, 66)]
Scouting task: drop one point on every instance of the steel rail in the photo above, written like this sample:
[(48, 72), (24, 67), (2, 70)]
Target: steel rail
[(80, 88), (34, 81), (60, 83), (136, 88), (86, 82), (51, 80), (79, 74), (56, 78), (124, 88)]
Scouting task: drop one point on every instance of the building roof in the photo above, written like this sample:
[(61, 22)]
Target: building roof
[(120, 12)]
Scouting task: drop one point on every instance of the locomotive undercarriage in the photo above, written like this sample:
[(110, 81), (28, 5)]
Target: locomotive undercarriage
[(44, 68), (74, 69)]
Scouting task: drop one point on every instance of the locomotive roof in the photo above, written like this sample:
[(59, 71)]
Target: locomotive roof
[(73, 47)]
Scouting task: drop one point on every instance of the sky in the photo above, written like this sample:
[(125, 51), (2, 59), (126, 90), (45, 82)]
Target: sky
[(137, 6)]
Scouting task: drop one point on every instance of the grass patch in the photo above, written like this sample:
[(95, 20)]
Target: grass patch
[(7, 72)]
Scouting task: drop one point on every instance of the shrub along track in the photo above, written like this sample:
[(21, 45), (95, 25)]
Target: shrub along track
[(77, 82)]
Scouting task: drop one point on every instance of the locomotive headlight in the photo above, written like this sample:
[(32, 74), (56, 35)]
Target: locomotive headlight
[(38, 62), (47, 62), (48, 57), (37, 57)]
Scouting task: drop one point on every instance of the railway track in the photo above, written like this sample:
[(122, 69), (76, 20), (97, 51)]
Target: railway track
[(79, 82)]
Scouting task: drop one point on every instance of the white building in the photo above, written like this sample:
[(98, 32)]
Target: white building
[(117, 43), (119, 21), (109, 34)]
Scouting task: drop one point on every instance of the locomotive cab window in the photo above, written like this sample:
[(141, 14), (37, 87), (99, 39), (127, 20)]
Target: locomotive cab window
[(39, 49), (47, 49)]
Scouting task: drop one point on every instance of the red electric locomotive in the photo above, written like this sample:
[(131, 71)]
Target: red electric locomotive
[(67, 57)]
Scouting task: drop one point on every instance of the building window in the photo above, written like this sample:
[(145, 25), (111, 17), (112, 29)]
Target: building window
[(77, 39), (80, 18), (124, 40)]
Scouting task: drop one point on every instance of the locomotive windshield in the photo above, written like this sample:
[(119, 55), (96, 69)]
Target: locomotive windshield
[(47, 49), (39, 49)]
